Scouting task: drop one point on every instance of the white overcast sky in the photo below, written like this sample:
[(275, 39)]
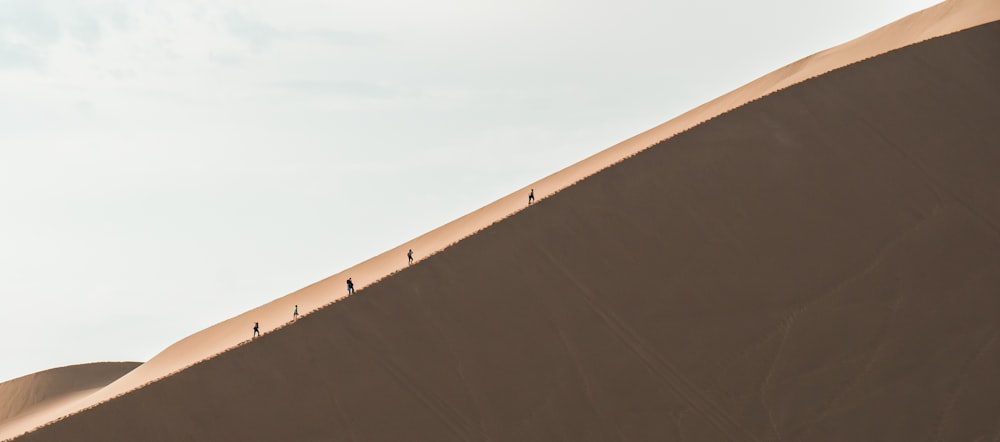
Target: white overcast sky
[(165, 165)]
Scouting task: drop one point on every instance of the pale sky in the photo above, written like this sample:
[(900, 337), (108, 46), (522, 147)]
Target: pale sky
[(165, 165)]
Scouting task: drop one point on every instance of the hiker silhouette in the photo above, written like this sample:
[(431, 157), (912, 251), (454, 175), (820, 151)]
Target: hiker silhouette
[(295, 313), (256, 329), (531, 196), (409, 256), (350, 286)]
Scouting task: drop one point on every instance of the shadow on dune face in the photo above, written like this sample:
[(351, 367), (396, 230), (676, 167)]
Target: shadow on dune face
[(820, 264)]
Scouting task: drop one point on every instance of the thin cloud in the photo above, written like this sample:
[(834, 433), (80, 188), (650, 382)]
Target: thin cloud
[(19, 56), (337, 37), (227, 59), (28, 21), (340, 88), (259, 35), (256, 34), (87, 30)]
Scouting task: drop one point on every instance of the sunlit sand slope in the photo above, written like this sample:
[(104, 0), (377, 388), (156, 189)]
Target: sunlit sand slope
[(820, 264)]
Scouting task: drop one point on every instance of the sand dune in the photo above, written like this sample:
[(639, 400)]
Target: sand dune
[(40, 393), (820, 264), (712, 245)]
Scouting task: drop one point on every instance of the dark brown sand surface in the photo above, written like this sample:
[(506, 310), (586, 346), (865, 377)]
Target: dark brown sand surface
[(820, 264)]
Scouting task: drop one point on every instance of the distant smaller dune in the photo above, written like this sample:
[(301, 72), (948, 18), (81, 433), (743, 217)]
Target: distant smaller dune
[(38, 391)]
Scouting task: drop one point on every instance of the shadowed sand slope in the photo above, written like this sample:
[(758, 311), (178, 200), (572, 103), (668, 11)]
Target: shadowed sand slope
[(821, 264), (35, 392)]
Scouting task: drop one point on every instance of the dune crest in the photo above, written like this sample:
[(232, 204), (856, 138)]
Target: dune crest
[(948, 17)]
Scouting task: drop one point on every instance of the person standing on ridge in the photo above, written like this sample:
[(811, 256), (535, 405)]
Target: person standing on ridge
[(256, 329), (350, 287), (409, 256), (531, 196), (295, 313)]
